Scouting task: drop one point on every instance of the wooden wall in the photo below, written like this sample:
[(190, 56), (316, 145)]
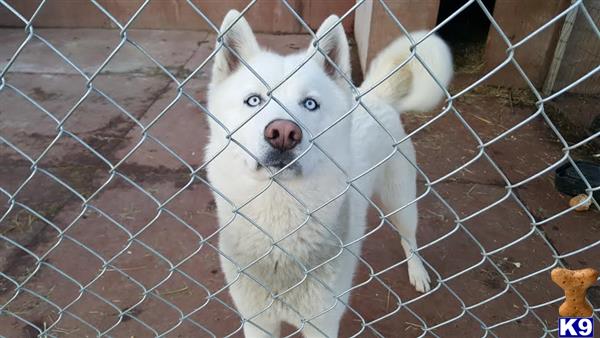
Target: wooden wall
[(265, 16), (374, 29), (518, 19)]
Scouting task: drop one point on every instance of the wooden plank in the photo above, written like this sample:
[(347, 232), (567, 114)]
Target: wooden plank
[(582, 54), (315, 11), (362, 31), (57, 13), (268, 16), (518, 19)]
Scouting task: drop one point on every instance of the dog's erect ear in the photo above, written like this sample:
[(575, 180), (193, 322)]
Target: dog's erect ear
[(333, 43), (241, 41)]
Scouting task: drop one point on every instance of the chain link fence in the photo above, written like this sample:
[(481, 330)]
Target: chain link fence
[(90, 288)]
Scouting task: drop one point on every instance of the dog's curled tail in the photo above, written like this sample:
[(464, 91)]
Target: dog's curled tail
[(411, 88)]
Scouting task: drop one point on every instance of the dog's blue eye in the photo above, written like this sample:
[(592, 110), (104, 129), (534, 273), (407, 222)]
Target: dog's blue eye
[(253, 101), (310, 104)]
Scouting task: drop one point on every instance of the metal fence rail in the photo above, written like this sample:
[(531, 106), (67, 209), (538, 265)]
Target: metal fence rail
[(20, 287)]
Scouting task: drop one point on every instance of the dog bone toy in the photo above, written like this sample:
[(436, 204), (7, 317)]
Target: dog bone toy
[(578, 199), (575, 284)]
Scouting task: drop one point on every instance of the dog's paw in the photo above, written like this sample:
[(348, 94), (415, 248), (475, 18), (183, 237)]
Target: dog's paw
[(418, 275)]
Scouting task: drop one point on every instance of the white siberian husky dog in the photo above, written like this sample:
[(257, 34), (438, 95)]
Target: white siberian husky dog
[(282, 158)]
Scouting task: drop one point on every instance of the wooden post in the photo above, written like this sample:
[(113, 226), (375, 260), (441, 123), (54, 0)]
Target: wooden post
[(374, 28)]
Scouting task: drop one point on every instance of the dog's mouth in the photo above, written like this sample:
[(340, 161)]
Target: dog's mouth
[(277, 160)]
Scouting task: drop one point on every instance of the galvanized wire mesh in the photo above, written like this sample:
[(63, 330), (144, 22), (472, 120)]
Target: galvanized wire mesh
[(34, 262)]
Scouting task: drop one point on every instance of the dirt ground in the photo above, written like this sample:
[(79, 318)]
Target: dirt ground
[(131, 253)]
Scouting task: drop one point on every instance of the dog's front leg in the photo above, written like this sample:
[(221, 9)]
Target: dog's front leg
[(258, 316), (262, 327), (326, 325)]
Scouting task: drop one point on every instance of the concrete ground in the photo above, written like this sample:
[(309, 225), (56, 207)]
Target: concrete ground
[(140, 280)]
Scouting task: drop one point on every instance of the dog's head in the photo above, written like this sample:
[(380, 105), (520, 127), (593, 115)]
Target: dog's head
[(275, 107)]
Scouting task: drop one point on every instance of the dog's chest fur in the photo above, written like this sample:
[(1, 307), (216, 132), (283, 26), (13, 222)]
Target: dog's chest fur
[(287, 238)]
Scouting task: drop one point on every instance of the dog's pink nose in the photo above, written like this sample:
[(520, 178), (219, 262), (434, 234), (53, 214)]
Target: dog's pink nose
[(283, 134)]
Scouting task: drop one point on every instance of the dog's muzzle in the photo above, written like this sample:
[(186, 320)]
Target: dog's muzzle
[(277, 160)]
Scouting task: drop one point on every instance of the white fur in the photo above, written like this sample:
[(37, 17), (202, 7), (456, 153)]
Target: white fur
[(411, 88), (284, 243)]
